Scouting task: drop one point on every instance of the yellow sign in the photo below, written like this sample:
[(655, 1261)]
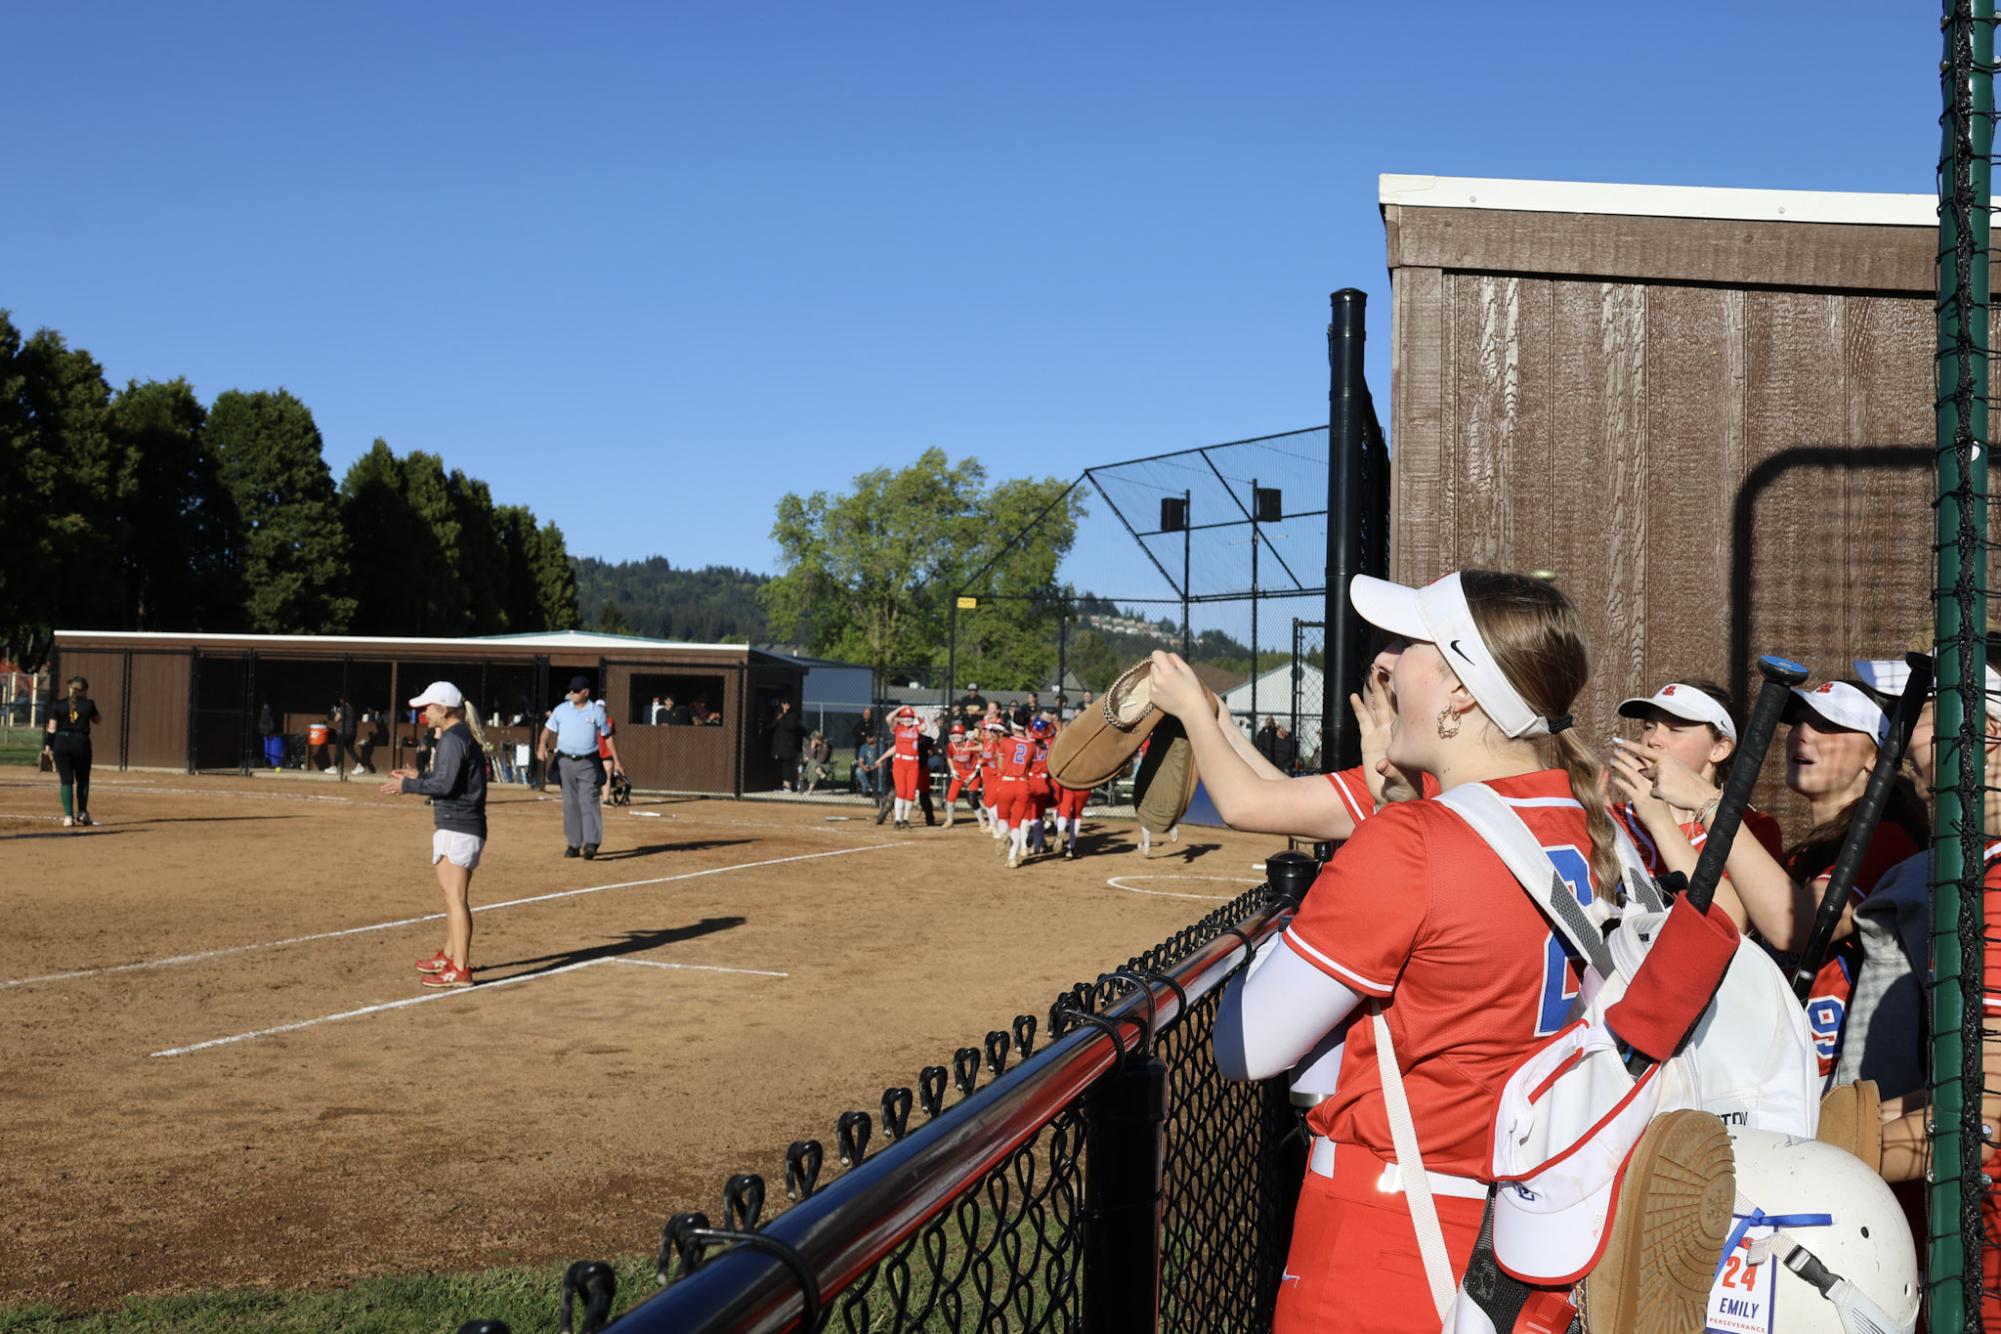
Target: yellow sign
[(967, 604)]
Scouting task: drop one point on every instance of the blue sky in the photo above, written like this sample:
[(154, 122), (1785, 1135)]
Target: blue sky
[(647, 266)]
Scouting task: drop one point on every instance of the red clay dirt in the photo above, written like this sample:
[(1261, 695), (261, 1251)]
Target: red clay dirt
[(558, 1117)]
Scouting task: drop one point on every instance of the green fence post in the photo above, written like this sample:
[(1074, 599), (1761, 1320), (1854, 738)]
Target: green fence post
[(1953, 1247)]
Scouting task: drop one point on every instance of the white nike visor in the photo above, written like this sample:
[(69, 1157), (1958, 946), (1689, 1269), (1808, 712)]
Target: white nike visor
[(1438, 614), (1841, 705), (1684, 702)]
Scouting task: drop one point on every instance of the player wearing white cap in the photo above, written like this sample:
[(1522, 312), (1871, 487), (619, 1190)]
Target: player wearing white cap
[(1671, 781), (1836, 728), (1421, 921)]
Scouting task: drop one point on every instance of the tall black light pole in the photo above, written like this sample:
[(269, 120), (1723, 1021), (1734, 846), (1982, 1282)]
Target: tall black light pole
[(1347, 412)]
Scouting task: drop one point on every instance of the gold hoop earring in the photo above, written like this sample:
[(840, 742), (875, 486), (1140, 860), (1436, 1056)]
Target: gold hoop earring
[(1447, 733)]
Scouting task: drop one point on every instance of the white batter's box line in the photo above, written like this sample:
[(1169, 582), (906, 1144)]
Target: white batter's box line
[(404, 1004), (179, 960)]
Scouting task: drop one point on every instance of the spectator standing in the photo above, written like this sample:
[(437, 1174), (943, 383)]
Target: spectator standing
[(868, 745), (68, 745), (267, 727), (972, 704), (569, 743), (656, 713), (344, 729), (787, 737), (456, 788)]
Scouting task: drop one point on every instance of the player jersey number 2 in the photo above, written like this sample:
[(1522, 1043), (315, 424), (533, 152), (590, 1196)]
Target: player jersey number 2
[(1559, 989)]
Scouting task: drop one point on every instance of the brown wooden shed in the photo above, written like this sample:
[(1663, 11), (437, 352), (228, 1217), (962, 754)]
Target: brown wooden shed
[(1708, 412), (197, 701)]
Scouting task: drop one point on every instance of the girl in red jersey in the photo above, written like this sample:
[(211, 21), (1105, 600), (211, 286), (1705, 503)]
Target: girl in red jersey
[(1014, 756), (1419, 920), (962, 754), (1671, 784), (1041, 791), (992, 732), (905, 767)]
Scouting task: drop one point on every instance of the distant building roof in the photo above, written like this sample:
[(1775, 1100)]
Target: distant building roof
[(1219, 679)]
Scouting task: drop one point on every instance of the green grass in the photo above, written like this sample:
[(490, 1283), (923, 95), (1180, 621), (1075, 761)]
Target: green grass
[(525, 1298), (19, 745)]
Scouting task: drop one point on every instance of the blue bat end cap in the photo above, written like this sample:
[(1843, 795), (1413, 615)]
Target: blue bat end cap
[(1783, 670)]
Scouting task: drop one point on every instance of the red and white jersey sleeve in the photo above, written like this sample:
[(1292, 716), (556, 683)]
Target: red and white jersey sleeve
[(1352, 786), (1348, 927)]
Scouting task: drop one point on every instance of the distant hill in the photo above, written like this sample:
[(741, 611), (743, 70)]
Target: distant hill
[(714, 604)]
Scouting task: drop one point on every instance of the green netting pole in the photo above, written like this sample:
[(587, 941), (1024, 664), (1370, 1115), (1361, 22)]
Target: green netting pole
[(1953, 1247)]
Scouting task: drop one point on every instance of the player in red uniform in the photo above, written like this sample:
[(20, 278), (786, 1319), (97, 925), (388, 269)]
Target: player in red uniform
[(962, 753), (905, 726), (1069, 811), (1041, 791), (1418, 920), (1671, 782), (992, 732), (1014, 756)]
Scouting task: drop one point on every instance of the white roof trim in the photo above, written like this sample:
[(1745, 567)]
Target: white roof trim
[(1659, 201), (471, 645)]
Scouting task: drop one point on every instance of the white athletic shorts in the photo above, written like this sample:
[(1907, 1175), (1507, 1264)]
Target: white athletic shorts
[(458, 849)]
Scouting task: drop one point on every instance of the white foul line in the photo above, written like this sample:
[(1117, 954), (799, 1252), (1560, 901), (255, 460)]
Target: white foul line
[(700, 967), (176, 960), (444, 995)]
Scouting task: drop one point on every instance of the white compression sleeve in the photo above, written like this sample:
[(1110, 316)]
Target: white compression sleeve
[(1277, 1012)]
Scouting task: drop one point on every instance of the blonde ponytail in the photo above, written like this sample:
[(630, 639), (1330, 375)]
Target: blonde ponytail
[(1587, 784), (1537, 640)]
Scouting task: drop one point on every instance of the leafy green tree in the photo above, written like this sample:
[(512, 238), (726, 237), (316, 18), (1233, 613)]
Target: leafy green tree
[(383, 540), (63, 482), (477, 556), (555, 581), (294, 553), (521, 602), (1092, 660), (179, 522), (869, 572), (611, 619), (703, 606)]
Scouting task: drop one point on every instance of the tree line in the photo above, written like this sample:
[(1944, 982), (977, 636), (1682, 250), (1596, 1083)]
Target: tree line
[(142, 509), (717, 604)]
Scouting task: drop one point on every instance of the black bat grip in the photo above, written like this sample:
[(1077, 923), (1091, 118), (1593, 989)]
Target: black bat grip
[(1862, 825), (1781, 675)]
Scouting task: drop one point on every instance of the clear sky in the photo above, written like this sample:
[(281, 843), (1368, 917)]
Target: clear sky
[(646, 266)]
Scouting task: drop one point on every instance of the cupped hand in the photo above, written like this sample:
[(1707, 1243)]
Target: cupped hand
[(1669, 779), (391, 788), (1175, 688)]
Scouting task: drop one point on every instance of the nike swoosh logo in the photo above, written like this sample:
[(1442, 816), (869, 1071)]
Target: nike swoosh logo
[(1454, 646)]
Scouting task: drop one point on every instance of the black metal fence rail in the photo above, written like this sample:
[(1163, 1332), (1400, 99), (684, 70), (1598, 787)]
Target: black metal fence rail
[(1113, 1180)]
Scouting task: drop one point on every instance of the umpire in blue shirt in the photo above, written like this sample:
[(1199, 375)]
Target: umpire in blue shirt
[(570, 741)]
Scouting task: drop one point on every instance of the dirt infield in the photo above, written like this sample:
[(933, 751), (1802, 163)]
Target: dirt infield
[(221, 1072)]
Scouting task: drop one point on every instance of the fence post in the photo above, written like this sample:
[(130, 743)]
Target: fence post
[(1124, 1155), (1341, 658)]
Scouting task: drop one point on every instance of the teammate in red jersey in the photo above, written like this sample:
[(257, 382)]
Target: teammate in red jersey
[(905, 769), (1041, 791), (1419, 920), (1014, 756), (962, 753), (1671, 784), (992, 732)]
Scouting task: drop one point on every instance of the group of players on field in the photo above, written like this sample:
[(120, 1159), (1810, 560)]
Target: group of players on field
[(1000, 766)]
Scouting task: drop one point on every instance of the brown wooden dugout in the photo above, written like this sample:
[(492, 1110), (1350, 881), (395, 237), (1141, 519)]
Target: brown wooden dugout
[(193, 701), (1708, 412)]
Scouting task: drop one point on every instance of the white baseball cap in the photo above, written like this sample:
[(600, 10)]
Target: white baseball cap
[(1684, 702), (1841, 704), (1889, 676), (441, 693), (1438, 614), (1569, 1118)]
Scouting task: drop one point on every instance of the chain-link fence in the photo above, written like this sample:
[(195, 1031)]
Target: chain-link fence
[(1110, 1174), (1961, 1207)]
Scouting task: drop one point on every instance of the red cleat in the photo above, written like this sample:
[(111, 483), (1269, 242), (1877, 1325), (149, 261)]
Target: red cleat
[(451, 975), (434, 963)]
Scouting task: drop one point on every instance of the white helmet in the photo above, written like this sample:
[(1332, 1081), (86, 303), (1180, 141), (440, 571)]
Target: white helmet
[(1845, 1262)]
